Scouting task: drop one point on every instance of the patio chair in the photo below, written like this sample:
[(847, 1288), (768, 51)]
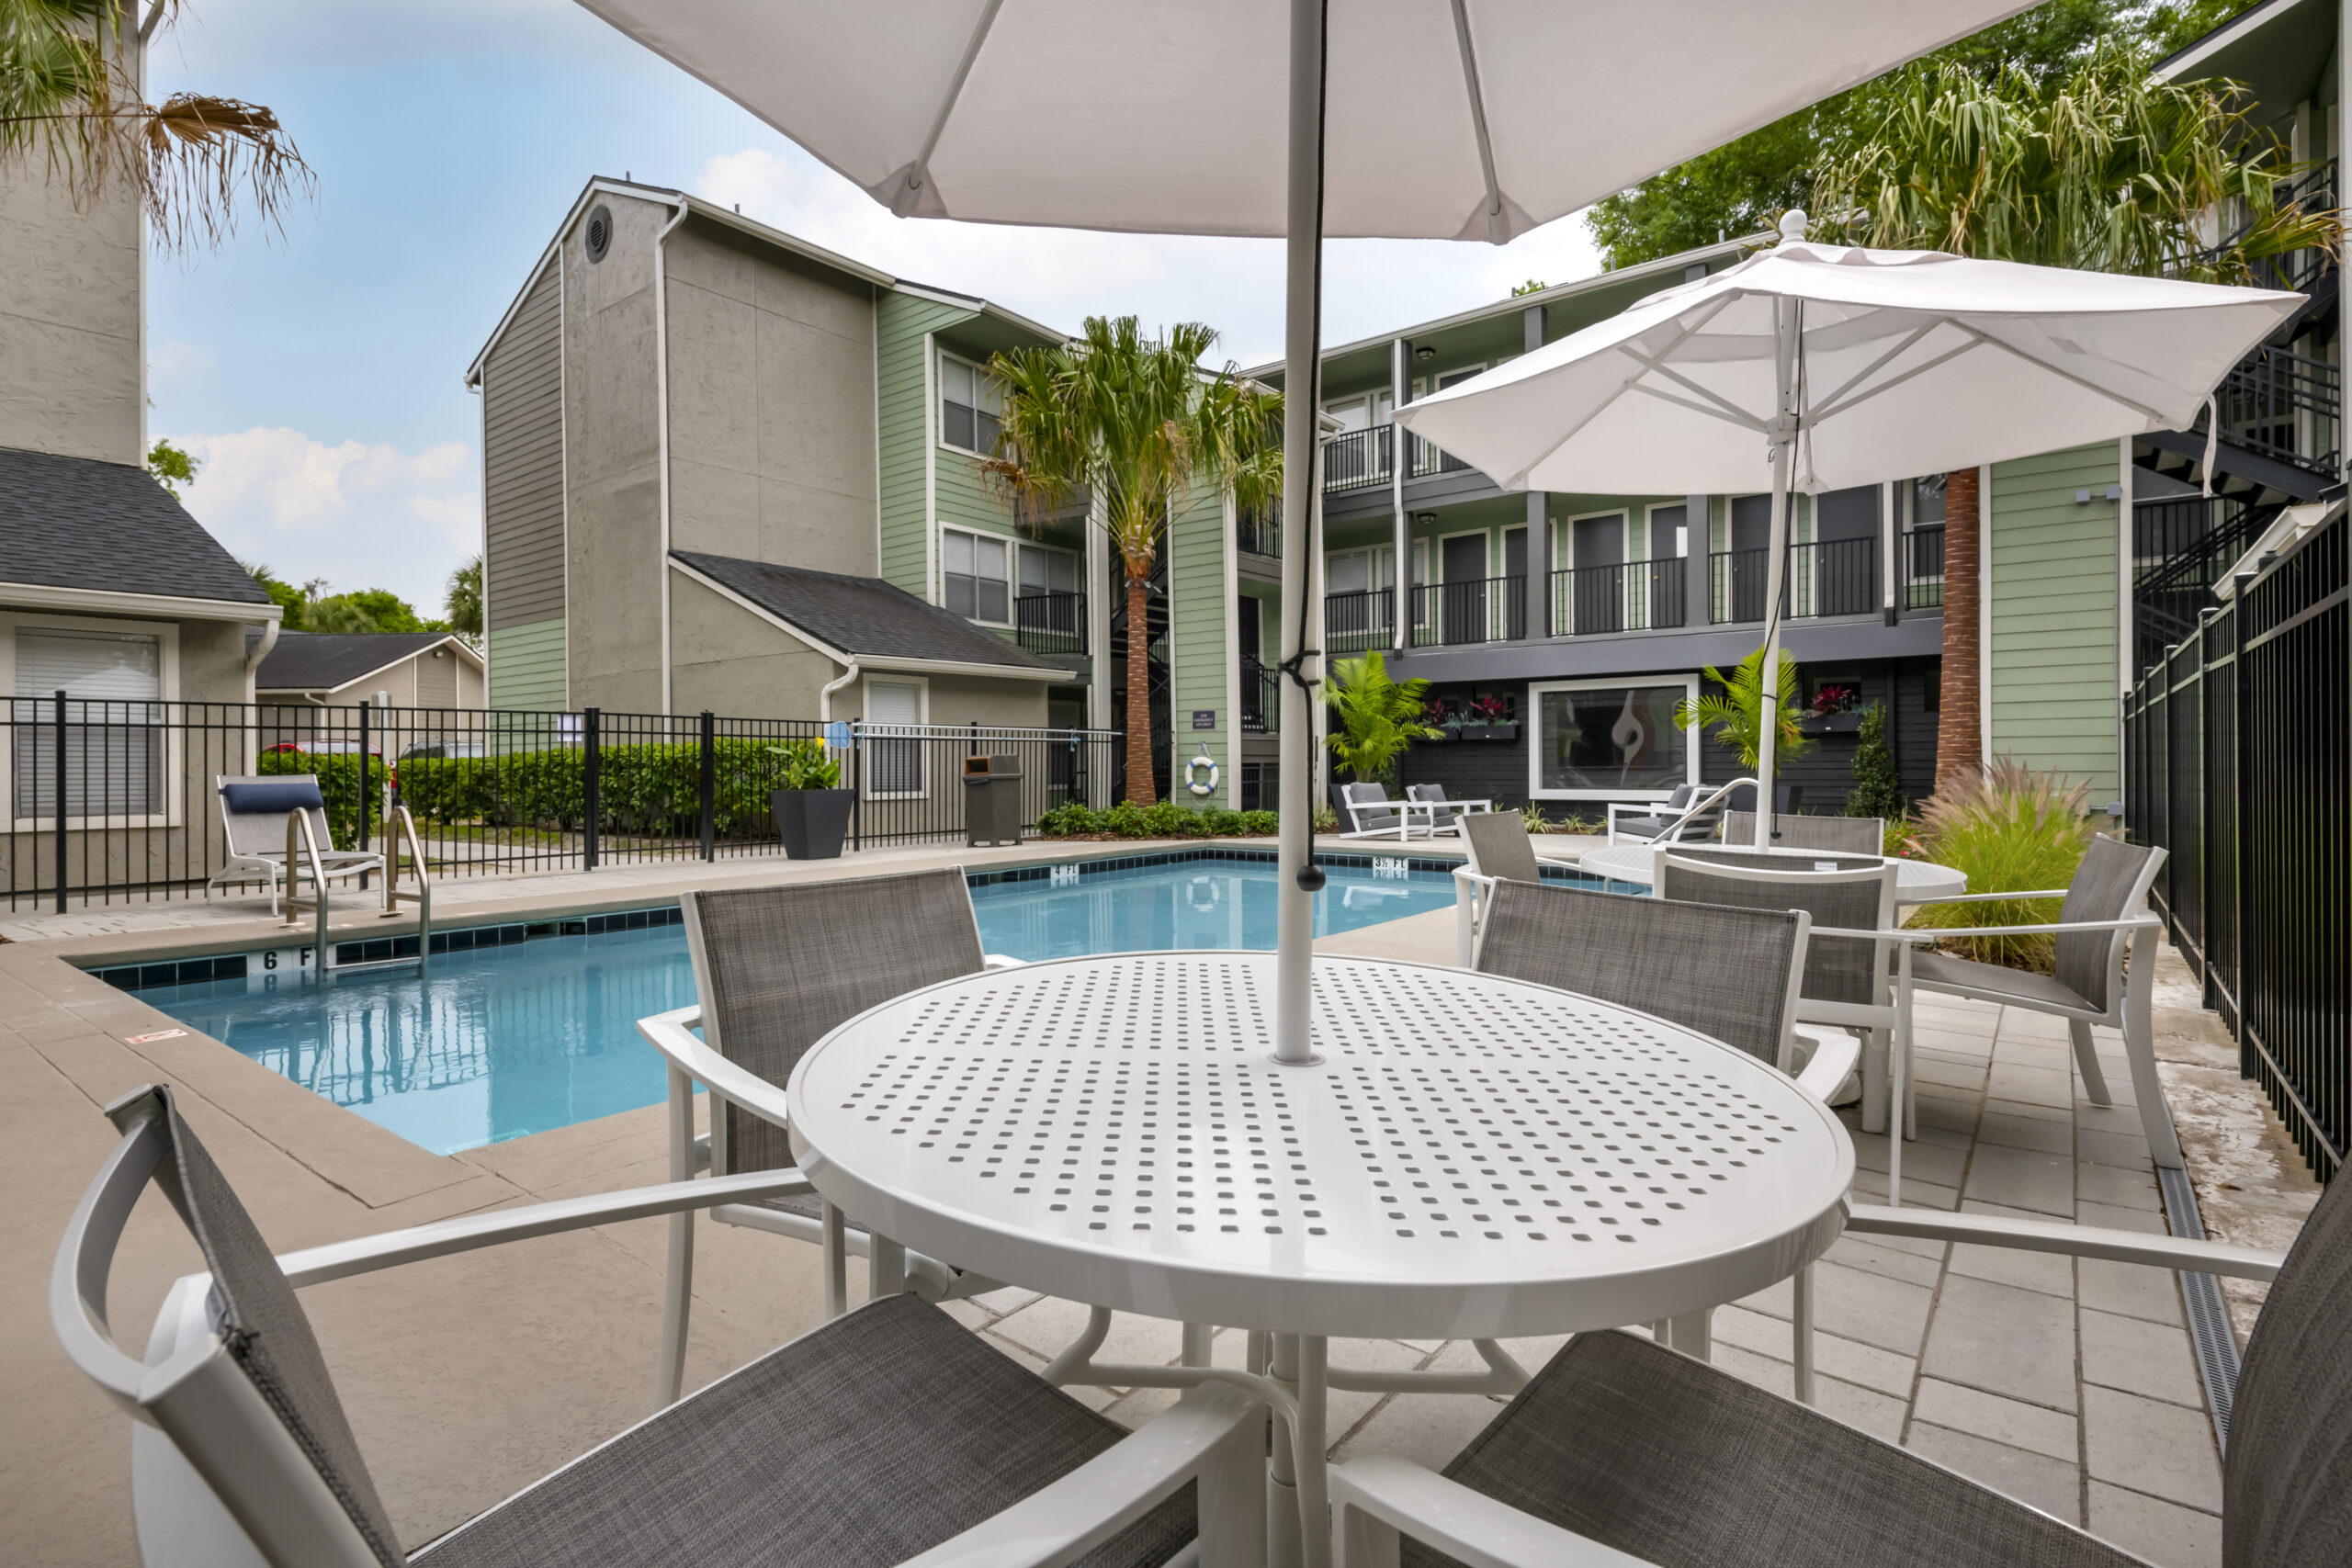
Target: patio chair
[(776, 969), (2105, 911), (1644, 822), (1622, 1453), (1849, 835), (1853, 974), (1498, 849), (886, 1435), (1448, 820), (1371, 813), (255, 811)]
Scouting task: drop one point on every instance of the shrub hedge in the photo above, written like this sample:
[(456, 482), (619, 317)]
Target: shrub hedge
[(1164, 820), (653, 789)]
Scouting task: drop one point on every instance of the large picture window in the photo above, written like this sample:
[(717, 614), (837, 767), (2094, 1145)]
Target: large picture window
[(971, 407), (977, 582), (113, 739), (1611, 739)]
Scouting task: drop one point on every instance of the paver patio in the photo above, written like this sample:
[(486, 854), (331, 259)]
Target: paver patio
[(2070, 1385)]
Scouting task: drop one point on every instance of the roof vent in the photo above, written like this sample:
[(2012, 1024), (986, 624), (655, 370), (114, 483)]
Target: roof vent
[(600, 233)]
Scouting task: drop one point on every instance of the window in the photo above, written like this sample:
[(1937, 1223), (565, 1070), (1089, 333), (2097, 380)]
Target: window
[(894, 762), (113, 736), (975, 578), (971, 406), (1610, 740), (1047, 570)]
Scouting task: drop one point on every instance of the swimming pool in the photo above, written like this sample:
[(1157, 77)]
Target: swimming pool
[(534, 1028)]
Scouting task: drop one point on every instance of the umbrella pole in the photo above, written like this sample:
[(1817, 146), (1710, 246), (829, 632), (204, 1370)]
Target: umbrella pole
[(1785, 330), (1295, 892)]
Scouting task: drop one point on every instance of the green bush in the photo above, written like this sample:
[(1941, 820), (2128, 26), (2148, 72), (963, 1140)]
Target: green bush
[(1128, 820), (348, 791), (1164, 820), (1878, 788), (650, 789), (2014, 831), (1259, 822), (1065, 821), (806, 764), (1221, 823)]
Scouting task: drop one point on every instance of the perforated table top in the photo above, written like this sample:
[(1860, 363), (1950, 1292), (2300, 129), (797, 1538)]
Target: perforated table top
[(1476, 1156), (1631, 862)]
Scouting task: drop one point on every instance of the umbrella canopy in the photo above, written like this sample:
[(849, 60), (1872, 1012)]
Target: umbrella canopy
[(1476, 119), (1817, 368), (1911, 362)]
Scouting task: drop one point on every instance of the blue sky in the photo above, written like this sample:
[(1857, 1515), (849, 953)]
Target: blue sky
[(318, 374)]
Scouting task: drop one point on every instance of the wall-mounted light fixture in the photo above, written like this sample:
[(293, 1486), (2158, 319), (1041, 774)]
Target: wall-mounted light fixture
[(1425, 352), (1426, 519)]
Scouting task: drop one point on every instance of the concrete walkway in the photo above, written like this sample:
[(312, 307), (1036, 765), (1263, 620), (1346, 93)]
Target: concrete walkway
[(2068, 1385)]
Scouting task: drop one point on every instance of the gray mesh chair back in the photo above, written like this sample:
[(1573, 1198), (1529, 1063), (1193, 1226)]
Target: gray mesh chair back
[(1366, 798), (1837, 969), (777, 968), (1724, 972), (1848, 835), (2286, 1480), (1433, 794), (1500, 846), (255, 808), (2110, 885)]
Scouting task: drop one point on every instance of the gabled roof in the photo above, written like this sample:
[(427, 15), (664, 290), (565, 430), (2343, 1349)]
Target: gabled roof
[(109, 528), (328, 662), (866, 618)]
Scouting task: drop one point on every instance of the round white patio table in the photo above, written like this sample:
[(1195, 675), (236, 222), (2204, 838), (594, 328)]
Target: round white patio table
[(1632, 863), (1473, 1158)]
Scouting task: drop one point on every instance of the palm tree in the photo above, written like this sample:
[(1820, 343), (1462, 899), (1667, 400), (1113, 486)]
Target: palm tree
[(68, 94), (1734, 709), (1130, 424), (1377, 718), (2105, 170)]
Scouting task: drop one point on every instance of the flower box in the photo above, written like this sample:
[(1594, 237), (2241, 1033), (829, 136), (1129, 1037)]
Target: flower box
[(1830, 724), (1490, 732)]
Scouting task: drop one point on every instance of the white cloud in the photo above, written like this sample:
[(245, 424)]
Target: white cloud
[(358, 516), (179, 364), (1060, 276)]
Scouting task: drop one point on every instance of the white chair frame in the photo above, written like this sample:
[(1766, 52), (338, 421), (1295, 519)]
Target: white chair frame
[(1445, 816), (2129, 1010), (215, 1472), (275, 867), (1408, 812), (1673, 832), (1471, 888), (1379, 1498)]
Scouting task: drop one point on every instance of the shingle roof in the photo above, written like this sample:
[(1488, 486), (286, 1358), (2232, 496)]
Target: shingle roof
[(78, 523), (862, 615), (320, 661)]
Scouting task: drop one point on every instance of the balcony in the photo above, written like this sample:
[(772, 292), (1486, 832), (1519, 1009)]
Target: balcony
[(1634, 596), (1828, 577), (1259, 534), (1050, 623), (1923, 568), (1261, 698), (1486, 609), (2286, 406), (1354, 623), (1364, 460)]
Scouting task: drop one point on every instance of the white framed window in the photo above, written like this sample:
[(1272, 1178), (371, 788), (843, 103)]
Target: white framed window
[(118, 749), (976, 576), (897, 707), (1611, 739), (971, 407)]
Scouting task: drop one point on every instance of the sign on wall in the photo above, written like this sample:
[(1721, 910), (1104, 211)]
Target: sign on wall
[(1204, 718)]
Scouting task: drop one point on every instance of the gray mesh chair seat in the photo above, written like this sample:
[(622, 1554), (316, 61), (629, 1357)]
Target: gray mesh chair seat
[(1852, 835), (869, 1440), (1498, 851), (1679, 1465), (1449, 818), (1370, 811), (1636, 823), (1999, 982)]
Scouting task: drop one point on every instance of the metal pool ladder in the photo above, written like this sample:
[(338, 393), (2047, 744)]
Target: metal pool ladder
[(302, 846)]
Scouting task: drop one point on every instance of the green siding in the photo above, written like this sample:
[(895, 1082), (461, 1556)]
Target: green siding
[(1200, 630), (526, 667), (2051, 658), (904, 431)]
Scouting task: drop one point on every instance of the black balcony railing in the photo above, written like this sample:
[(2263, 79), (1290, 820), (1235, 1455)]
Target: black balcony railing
[(1258, 533), (1261, 698), (1923, 567), (2285, 406), (1484, 609), (1427, 459), (1050, 623), (1355, 622), (1828, 577), (1357, 458), (1634, 596)]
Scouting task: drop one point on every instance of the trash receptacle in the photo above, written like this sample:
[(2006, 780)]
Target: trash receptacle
[(991, 801)]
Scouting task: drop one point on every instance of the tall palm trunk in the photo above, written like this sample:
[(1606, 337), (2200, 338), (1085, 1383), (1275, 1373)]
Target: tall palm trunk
[(1141, 788), (1959, 736)]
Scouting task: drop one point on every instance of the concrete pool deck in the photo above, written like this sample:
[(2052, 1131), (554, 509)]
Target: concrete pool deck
[(2069, 1385)]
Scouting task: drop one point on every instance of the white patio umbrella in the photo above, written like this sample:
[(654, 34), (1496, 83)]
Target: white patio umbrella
[(1816, 368), (1473, 120)]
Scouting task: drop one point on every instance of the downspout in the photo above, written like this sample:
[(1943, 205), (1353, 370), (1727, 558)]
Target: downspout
[(260, 651), (825, 694), (662, 422)]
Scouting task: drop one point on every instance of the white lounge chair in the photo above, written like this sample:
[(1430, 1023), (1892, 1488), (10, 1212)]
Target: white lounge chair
[(1445, 816), (256, 809), (1646, 822), (1499, 850), (1371, 813)]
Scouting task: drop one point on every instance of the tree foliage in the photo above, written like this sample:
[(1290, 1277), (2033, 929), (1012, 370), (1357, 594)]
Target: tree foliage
[(170, 466), (1375, 717), (1740, 188), (463, 609), (1878, 787), (285, 595), (70, 97), (1732, 708), (366, 610)]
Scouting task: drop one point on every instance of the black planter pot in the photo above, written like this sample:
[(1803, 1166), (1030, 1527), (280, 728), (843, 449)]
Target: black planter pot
[(813, 822), (1831, 724), (1490, 732)]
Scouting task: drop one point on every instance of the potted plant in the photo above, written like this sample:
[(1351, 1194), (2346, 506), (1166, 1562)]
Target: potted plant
[(811, 808), (1489, 719), (1834, 710), (1441, 725)]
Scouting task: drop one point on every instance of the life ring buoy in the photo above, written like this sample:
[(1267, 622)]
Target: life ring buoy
[(1195, 785)]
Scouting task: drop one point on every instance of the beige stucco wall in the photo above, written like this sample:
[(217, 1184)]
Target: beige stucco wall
[(72, 375), (960, 699), (772, 437), (731, 661), (612, 455)]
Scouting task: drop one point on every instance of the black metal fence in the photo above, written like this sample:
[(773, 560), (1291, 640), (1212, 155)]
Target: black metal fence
[(2238, 760), (1262, 691), (1353, 623), (1923, 567), (1635, 596), (1050, 623), (1481, 609), (493, 791)]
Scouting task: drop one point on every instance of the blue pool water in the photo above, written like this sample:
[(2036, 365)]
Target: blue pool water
[(505, 1041)]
